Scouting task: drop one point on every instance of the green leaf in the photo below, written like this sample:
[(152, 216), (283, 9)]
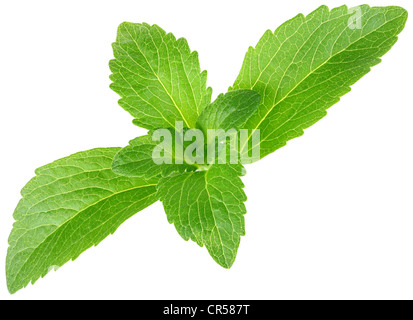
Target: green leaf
[(71, 205), (158, 77), (308, 63), (229, 111), (208, 208)]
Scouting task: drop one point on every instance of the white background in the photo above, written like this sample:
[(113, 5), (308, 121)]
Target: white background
[(330, 216)]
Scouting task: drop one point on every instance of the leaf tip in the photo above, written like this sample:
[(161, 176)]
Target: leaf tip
[(11, 283)]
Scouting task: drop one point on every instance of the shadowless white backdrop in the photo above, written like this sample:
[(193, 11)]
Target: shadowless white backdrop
[(330, 215)]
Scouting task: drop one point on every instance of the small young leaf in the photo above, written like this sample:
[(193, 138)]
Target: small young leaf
[(208, 208), (135, 160), (308, 63), (158, 77), (229, 111), (71, 205), (138, 160)]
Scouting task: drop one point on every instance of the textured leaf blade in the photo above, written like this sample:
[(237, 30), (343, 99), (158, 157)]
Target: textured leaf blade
[(158, 77), (71, 204), (308, 63), (208, 208)]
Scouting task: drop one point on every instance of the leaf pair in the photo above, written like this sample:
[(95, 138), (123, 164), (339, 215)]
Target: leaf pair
[(286, 84)]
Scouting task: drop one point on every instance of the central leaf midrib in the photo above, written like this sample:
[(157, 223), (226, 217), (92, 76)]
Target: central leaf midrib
[(213, 216), (157, 77)]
